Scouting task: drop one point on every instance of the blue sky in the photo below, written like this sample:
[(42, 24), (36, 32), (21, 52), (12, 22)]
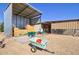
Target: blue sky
[(52, 11), (2, 9), (58, 11)]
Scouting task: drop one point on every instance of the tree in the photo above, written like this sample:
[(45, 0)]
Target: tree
[(1, 27)]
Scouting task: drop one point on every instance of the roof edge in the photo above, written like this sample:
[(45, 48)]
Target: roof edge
[(61, 21)]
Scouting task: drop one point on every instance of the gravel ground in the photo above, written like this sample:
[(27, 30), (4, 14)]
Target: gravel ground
[(58, 44)]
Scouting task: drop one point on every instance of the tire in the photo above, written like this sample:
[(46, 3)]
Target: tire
[(3, 46), (33, 50)]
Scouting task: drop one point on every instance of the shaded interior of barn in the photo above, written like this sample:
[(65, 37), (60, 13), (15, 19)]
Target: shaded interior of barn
[(24, 15)]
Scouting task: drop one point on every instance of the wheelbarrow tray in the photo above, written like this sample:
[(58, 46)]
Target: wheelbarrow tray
[(41, 45)]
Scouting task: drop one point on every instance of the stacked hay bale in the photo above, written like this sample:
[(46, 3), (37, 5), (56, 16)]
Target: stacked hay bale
[(30, 28), (18, 32)]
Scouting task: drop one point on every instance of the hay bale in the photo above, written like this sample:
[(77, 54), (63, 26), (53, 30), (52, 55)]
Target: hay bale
[(30, 28), (18, 32)]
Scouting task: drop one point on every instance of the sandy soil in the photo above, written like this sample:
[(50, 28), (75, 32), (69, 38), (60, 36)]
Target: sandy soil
[(59, 44)]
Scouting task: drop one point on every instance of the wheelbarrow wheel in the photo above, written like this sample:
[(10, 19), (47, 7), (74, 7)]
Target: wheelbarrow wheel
[(3, 46), (33, 50)]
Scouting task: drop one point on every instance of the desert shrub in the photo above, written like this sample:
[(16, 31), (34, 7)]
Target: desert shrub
[(1, 27)]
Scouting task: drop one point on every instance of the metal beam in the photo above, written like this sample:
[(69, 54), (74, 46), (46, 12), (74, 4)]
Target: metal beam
[(40, 18), (37, 18), (29, 21), (29, 14), (36, 15)]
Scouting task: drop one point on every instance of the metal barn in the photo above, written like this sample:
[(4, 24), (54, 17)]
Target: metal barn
[(67, 27), (19, 15)]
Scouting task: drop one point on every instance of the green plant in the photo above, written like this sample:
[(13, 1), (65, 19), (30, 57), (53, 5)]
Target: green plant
[(1, 27)]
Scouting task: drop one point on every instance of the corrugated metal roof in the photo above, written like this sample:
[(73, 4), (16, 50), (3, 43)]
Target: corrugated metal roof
[(25, 10), (71, 20)]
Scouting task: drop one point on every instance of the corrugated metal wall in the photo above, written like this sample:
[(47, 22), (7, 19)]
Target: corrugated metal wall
[(19, 21), (8, 21), (66, 28), (65, 25)]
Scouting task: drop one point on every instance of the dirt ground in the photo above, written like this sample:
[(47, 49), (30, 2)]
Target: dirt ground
[(59, 44)]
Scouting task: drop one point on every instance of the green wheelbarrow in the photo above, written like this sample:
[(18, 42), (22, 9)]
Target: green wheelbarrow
[(38, 43)]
